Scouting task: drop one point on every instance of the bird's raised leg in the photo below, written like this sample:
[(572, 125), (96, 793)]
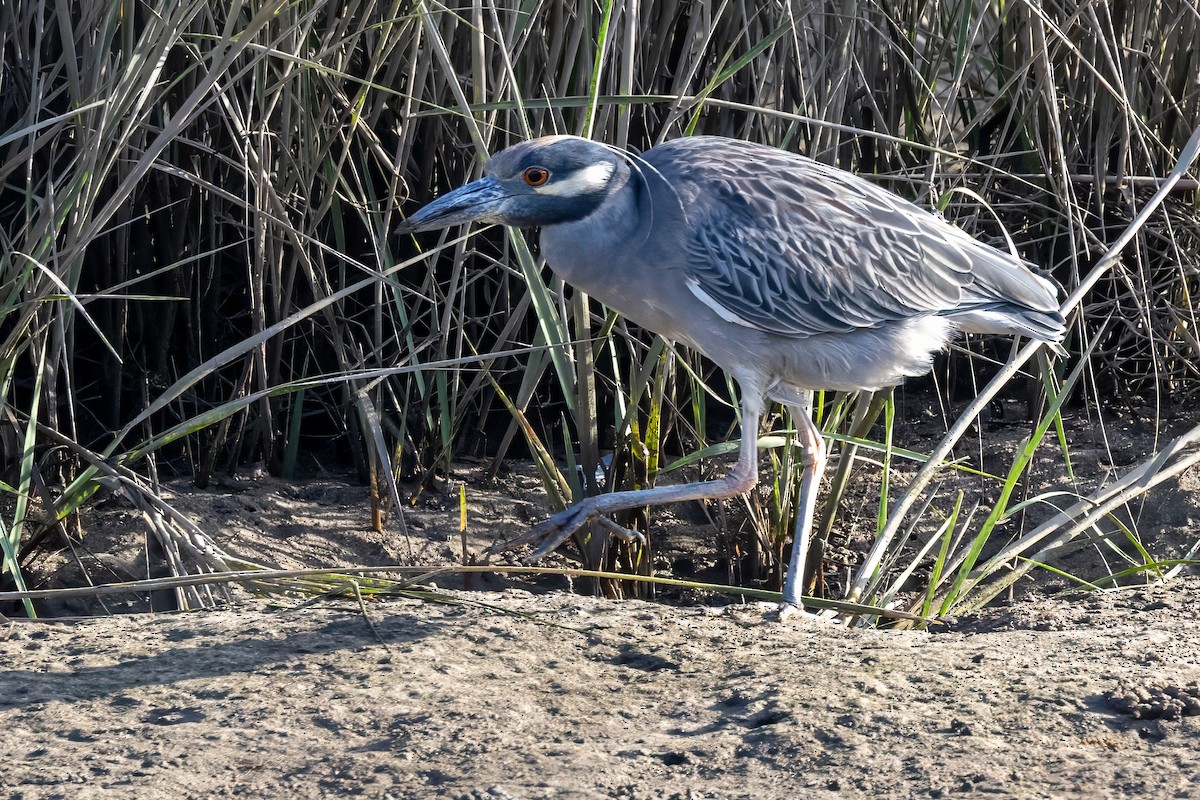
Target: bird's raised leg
[(741, 479), (814, 466)]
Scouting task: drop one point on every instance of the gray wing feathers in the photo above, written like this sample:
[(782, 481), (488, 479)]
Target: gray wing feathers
[(819, 282), (796, 248)]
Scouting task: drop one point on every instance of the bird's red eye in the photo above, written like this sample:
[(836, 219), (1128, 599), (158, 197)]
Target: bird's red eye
[(536, 176)]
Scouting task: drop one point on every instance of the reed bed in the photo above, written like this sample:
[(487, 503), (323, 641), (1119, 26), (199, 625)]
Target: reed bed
[(196, 271)]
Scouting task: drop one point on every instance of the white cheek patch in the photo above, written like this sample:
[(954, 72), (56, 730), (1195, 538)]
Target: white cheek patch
[(581, 181)]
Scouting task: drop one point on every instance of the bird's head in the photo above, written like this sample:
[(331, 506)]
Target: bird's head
[(537, 183)]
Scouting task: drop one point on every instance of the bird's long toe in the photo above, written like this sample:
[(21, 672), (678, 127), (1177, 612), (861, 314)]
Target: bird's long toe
[(556, 530), (547, 534), (621, 532)]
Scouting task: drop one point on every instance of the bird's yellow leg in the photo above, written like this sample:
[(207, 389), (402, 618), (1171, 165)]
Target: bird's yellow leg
[(549, 534), (814, 466)]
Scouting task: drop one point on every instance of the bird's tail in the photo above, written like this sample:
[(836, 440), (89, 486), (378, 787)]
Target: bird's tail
[(1008, 297), (1011, 319)]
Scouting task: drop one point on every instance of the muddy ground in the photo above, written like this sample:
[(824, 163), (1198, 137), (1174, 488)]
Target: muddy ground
[(527, 691)]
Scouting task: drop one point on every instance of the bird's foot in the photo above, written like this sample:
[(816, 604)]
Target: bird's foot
[(788, 612), (550, 533)]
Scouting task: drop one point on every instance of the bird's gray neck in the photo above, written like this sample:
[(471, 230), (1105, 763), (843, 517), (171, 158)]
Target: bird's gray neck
[(582, 251), (625, 252)]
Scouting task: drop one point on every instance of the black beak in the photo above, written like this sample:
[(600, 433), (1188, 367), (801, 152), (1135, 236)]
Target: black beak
[(478, 201)]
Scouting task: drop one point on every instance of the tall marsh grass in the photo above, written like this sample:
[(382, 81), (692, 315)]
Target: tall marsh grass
[(196, 271)]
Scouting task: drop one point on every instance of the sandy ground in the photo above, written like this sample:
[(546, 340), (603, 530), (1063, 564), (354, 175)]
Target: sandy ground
[(509, 694)]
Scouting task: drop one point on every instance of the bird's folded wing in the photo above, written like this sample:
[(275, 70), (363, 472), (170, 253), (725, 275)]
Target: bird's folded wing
[(787, 245), (821, 256)]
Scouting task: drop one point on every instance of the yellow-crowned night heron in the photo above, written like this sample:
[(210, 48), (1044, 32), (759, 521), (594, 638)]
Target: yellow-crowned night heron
[(789, 274)]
